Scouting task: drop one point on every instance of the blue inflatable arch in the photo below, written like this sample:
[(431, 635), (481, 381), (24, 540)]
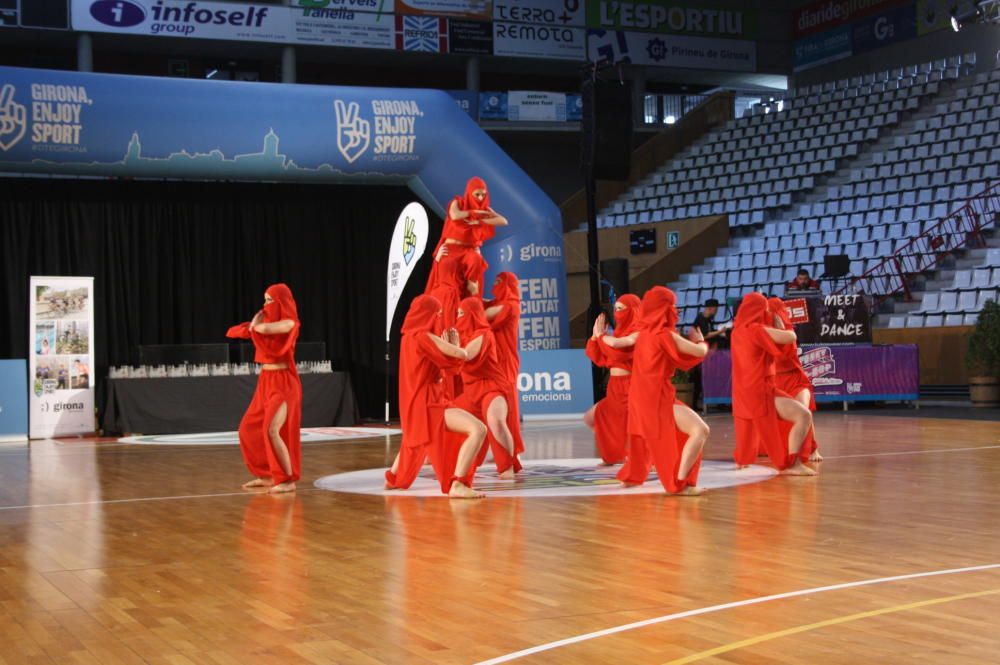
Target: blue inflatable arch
[(72, 123)]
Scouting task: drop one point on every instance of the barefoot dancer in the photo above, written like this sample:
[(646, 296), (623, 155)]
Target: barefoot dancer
[(758, 338), (609, 417), (470, 222), (659, 426), (269, 431), (486, 393), (423, 411), (504, 315), (790, 378)]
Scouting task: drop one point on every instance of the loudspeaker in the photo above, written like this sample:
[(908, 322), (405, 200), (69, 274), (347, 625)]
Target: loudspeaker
[(616, 272), (607, 128), (836, 265)]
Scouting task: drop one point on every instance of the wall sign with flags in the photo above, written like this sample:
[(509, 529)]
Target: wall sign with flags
[(409, 240)]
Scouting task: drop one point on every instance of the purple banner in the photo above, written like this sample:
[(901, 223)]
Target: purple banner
[(860, 373)]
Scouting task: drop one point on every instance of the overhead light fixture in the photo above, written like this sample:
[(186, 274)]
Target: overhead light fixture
[(211, 73), (976, 14)]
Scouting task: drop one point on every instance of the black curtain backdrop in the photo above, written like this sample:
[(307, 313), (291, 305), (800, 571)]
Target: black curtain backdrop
[(181, 262)]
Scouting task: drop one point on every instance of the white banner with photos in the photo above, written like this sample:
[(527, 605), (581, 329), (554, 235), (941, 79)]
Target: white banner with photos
[(61, 356)]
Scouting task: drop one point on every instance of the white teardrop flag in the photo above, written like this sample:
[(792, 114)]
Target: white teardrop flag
[(409, 241)]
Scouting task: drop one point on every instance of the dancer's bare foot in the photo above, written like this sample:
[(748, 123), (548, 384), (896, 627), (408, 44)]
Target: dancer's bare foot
[(282, 488), (690, 490), (388, 485), (461, 491), (815, 457), (508, 474), (629, 485), (740, 467), (799, 469), (603, 463), (257, 482)]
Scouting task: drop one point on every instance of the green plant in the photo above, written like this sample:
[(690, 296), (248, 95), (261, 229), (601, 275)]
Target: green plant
[(983, 357), (680, 376)]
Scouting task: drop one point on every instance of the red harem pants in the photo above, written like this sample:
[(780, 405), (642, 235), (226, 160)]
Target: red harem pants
[(274, 388), (665, 454), (611, 420), (792, 383), (476, 399), (442, 451), (767, 432)]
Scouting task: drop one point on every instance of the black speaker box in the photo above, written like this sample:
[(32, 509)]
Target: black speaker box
[(607, 128), (616, 272)]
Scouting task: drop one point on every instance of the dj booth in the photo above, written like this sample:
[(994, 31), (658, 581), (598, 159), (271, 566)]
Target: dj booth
[(837, 355)]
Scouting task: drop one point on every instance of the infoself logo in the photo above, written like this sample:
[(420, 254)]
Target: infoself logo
[(118, 13)]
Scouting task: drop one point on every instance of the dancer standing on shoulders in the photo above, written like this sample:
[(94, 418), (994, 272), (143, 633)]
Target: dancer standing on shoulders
[(470, 222), (424, 412), (504, 315), (790, 378), (609, 417), (758, 339), (270, 429), (662, 430), (486, 393)]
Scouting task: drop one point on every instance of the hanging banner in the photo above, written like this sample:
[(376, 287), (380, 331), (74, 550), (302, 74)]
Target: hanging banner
[(60, 122), (477, 9), (527, 40), (526, 105), (334, 27), (61, 335), (682, 18), (819, 49), (409, 240), (647, 48), (546, 12), (826, 14), (470, 38)]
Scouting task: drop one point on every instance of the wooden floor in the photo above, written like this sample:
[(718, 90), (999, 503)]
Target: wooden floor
[(116, 553)]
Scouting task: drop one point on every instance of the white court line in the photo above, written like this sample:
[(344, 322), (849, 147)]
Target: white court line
[(146, 498), (726, 606), (912, 452)]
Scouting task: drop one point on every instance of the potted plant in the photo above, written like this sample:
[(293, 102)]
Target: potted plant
[(684, 387), (983, 358)]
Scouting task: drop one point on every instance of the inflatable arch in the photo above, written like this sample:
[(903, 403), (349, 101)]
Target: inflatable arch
[(60, 122)]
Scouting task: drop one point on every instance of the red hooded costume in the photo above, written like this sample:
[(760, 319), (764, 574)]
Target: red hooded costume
[(484, 380), (422, 402), (505, 326), (274, 388), (464, 263), (790, 378), (611, 414), (754, 354), (652, 429)]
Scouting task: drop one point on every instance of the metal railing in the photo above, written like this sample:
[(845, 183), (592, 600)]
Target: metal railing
[(962, 228)]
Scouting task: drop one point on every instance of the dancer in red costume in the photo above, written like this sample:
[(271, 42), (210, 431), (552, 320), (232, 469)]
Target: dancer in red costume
[(487, 392), (425, 415), (790, 378), (609, 417), (470, 222), (758, 339), (504, 315), (659, 426), (269, 431)]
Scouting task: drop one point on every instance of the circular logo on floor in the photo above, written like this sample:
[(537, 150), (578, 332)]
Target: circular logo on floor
[(544, 478), (309, 435)]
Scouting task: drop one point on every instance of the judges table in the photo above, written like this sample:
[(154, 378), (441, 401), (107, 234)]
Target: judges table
[(849, 373), (188, 405)]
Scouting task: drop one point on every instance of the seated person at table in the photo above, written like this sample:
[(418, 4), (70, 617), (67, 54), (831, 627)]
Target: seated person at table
[(802, 282)]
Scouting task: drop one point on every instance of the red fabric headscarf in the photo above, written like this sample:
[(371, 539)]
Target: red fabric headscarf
[(278, 348), (658, 309), (473, 321), (506, 287), (777, 306), (627, 320), (468, 201), (424, 316), (753, 309)]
